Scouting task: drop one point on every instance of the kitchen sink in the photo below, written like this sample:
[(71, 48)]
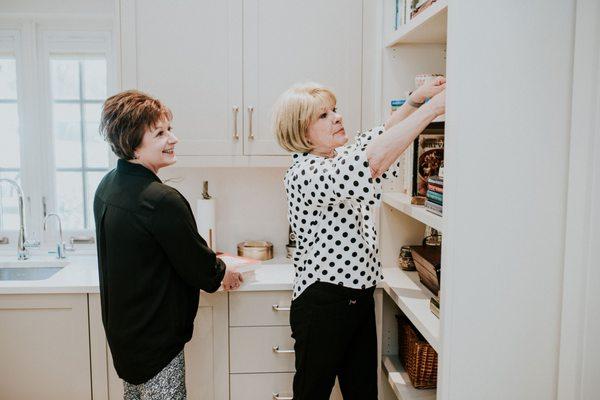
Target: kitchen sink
[(29, 270)]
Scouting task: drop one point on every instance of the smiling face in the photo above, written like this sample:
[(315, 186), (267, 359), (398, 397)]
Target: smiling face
[(327, 132), (157, 149)]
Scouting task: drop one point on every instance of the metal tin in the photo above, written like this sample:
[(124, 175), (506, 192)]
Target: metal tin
[(256, 249)]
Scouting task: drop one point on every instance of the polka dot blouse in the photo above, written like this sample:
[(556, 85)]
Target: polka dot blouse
[(330, 202)]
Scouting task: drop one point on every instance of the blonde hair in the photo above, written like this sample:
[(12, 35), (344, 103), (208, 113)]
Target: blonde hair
[(295, 110)]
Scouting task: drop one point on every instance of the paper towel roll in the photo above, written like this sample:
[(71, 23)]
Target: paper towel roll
[(205, 219)]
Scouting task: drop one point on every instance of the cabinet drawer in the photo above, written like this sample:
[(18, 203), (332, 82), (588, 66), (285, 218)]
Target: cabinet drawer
[(264, 386), (251, 349), (260, 386), (259, 308)]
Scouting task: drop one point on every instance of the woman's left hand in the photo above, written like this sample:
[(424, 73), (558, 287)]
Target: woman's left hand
[(427, 91), (232, 279)]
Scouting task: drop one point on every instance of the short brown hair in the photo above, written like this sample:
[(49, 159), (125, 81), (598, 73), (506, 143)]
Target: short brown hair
[(125, 118)]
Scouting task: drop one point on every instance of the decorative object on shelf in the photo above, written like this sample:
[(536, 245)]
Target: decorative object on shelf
[(432, 237), (434, 305), (206, 218), (428, 263), (422, 79), (417, 356), (420, 6), (435, 194), (256, 249), (291, 246), (405, 260), (428, 155)]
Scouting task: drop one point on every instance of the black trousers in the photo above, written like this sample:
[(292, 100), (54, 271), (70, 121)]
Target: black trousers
[(335, 334)]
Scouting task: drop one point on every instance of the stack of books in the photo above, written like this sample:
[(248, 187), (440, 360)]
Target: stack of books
[(435, 194)]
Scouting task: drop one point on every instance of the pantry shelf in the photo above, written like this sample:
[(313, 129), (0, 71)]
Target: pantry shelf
[(400, 382), (401, 202), (427, 27), (412, 298)]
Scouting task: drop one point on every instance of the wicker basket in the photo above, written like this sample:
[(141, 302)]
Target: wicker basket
[(417, 356)]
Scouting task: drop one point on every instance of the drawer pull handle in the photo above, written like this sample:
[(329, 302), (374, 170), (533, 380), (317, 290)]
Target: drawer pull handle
[(276, 350), (276, 396), (277, 308), (236, 109)]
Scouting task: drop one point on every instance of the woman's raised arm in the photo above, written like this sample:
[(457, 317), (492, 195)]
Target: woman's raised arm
[(385, 149)]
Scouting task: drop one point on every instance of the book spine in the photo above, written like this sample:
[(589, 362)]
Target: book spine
[(434, 208), (437, 198), (434, 188)]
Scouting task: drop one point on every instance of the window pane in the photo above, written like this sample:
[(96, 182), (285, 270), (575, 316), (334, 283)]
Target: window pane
[(95, 147), (69, 189), (64, 75), (9, 202), (67, 135), (8, 78), (93, 179), (95, 79), (9, 126)]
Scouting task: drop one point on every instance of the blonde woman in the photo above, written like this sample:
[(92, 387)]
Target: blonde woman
[(331, 190)]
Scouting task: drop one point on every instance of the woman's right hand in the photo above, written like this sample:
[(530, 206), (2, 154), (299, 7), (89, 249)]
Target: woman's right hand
[(438, 103)]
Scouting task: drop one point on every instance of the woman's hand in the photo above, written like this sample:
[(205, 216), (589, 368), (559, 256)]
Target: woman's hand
[(232, 279), (429, 90), (438, 103)]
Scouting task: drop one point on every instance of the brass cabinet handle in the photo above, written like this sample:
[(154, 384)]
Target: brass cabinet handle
[(276, 350), (277, 308), (276, 396), (250, 132), (236, 109)]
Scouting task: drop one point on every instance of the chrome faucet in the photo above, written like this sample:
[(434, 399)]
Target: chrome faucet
[(22, 244), (60, 246)]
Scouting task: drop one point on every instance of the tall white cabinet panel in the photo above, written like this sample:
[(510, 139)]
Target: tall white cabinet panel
[(297, 41), (188, 53), (44, 347)]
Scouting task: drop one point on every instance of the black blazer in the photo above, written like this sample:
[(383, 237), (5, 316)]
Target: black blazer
[(151, 263)]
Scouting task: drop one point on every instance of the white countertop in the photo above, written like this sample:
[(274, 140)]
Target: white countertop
[(80, 275)]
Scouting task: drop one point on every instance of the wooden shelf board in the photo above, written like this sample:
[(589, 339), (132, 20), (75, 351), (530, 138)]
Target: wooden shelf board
[(427, 27), (400, 381), (412, 298), (401, 202)]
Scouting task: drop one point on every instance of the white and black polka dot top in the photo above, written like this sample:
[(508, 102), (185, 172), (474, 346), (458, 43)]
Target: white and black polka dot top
[(330, 202)]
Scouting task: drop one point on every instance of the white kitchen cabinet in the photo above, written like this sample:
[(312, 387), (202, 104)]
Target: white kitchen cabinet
[(258, 322), (206, 355), (188, 53), (44, 347), (219, 57), (286, 42)]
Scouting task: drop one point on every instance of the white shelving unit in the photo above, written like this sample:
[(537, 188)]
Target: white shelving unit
[(427, 27), (401, 202), (399, 381), (418, 47), (412, 298)]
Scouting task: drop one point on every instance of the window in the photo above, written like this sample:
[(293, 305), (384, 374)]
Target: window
[(52, 86), (10, 148), (81, 157)]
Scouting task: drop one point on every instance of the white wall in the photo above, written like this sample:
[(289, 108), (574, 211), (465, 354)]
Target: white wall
[(251, 202), (507, 158)]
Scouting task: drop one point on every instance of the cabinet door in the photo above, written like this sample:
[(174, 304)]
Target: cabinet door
[(286, 42), (206, 355), (44, 347), (188, 53)]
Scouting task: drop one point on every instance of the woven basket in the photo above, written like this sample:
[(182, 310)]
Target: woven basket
[(417, 356)]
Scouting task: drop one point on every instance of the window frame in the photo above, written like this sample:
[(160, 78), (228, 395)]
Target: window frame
[(34, 40)]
